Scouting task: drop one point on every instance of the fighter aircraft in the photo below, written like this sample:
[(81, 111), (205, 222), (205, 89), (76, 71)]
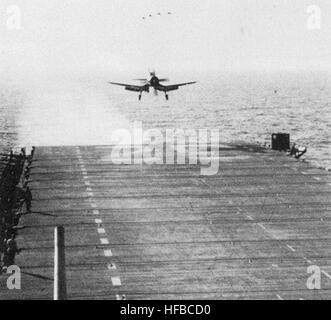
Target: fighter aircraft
[(155, 83)]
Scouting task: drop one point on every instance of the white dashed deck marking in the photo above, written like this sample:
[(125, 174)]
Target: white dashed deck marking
[(108, 253), (279, 297), (101, 230), (116, 281), (104, 241)]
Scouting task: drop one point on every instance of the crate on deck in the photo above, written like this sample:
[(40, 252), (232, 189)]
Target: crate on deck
[(280, 141)]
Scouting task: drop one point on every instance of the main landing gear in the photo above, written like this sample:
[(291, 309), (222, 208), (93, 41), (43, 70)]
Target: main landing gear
[(166, 96), (139, 97)]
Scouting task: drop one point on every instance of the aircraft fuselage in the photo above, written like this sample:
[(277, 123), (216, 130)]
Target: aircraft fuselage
[(154, 82)]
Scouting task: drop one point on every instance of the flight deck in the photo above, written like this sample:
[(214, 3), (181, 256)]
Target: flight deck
[(166, 232)]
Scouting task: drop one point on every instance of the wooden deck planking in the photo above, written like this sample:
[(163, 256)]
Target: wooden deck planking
[(245, 233)]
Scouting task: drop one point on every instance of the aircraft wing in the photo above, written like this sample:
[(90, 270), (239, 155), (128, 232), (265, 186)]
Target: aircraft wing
[(174, 86), (130, 87), (184, 84)]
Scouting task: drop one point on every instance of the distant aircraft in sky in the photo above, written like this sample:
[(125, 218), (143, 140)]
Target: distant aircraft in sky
[(155, 83), (159, 14)]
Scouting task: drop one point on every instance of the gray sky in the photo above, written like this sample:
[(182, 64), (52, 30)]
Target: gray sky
[(109, 36)]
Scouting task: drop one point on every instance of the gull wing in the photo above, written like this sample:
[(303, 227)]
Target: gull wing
[(174, 86), (130, 87)]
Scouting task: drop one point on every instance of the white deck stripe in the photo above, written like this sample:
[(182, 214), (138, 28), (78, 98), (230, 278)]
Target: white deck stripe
[(101, 230), (116, 281), (279, 297), (108, 253), (104, 241)]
